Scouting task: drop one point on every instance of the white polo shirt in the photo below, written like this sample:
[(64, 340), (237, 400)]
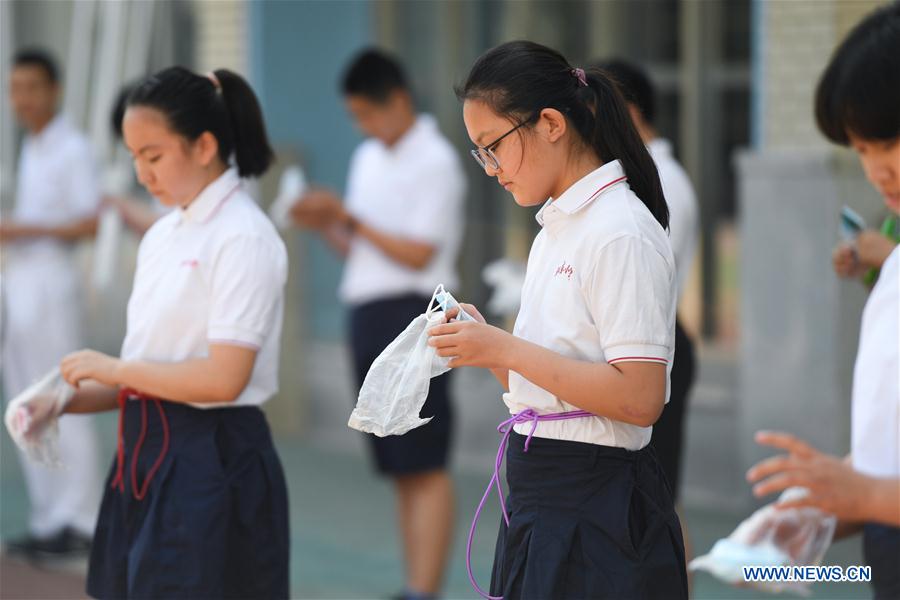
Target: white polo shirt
[(413, 190), (213, 272), (599, 287), (875, 423), (684, 212), (56, 185)]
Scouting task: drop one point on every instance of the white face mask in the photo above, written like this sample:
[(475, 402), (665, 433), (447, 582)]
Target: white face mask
[(771, 537), (396, 386), (31, 418)]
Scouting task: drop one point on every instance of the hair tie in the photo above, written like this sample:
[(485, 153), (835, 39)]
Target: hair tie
[(215, 80), (578, 73)]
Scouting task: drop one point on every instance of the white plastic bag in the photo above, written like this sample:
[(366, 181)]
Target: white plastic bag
[(396, 386), (772, 537), (31, 418)]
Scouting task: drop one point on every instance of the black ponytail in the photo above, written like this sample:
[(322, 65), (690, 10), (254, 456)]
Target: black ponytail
[(223, 105), (615, 137), (519, 79)]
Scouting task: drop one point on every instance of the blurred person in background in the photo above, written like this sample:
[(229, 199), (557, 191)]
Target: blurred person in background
[(684, 224), (57, 198), (399, 229), (858, 105)]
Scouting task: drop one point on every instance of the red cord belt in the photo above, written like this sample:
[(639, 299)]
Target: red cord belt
[(119, 480)]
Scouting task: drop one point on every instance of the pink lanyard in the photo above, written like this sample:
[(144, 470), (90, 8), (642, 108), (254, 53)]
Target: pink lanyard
[(506, 428)]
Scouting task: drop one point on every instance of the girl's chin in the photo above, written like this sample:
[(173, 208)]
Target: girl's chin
[(526, 202)]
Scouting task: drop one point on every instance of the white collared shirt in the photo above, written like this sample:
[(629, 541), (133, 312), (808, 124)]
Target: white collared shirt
[(211, 273), (599, 287), (684, 212), (875, 437), (57, 184), (413, 190)]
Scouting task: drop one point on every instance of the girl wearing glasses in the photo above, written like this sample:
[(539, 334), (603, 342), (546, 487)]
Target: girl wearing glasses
[(196, 502), (586, 369)]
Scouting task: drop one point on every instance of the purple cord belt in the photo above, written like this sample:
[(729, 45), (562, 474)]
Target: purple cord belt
[(506, 428)]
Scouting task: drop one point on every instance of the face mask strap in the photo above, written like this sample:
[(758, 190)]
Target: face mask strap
[(435, 304)]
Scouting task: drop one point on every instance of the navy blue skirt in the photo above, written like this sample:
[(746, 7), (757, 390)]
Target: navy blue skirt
[(211, 521), (881, 549), (587, 521)]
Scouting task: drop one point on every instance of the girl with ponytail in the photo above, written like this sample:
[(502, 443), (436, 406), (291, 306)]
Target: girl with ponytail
[(586, 370), (195, 505)]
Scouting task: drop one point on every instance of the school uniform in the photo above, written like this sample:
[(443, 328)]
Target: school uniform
[(590, 513), (196, 503), (668, 431), (875, 423), (414, 190), (42, 314)]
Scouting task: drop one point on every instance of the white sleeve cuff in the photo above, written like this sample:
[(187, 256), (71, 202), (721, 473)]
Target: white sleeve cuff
[(653, 353), (234, 336)]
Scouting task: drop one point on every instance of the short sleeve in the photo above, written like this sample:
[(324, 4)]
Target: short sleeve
[(436, 212), (352, 197), (631, 294), (82, 182), (247, 291), (682, 220)]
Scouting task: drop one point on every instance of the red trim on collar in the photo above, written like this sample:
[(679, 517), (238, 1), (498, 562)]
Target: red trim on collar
[(613, 182), (603, 187), (221, 203)]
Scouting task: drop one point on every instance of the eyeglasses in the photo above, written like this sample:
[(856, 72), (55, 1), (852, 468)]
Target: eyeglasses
[(485, 156)]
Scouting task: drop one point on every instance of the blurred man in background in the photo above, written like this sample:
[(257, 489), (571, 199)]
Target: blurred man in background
[(400, 230), (684, 225), (57, 196)]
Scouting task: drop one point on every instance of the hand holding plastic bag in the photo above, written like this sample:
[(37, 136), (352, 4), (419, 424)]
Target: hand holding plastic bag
[(396, 386), (772, 537), (31, 417)]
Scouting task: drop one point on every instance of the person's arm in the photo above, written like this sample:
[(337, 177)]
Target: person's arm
[(885, 500), (501, 375), (93, 397), (869, 251), (409, 253), (845, 529), (338, 238), (219, 378), (845, 262), (834, 486), (630, 392), (873, 248), (68, 232), (322, 211)]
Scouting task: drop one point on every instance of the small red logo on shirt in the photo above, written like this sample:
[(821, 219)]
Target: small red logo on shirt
[(190, 263), (565, 270)]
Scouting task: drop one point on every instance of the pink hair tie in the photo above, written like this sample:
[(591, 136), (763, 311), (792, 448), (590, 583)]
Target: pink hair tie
[(580, 76)]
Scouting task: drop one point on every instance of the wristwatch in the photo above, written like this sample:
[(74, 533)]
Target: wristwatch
[(351, 223)]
